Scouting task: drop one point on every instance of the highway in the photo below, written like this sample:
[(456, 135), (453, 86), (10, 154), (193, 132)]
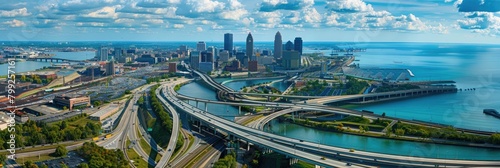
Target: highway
[(369, 156), (174, 134), (233, 130)]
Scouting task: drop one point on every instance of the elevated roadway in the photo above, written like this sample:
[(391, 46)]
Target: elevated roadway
[(216, 122), (330, 150)]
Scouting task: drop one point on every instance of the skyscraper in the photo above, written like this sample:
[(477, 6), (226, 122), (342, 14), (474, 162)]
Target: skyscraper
[(298, 44), (201, 46), (228, 42), (291, 59), (289, 46), (103, 53), (278, 46), (249, 45), (118, 52), (195, 59)]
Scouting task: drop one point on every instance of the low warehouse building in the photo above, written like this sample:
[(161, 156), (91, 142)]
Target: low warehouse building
[(105, 112), (71, 101)]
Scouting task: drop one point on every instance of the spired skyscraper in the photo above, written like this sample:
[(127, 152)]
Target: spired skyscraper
[(249, 45), (298, 44), (278, 46), (228, 42)]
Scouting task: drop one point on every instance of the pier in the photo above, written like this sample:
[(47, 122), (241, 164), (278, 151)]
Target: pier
[(47, 59)]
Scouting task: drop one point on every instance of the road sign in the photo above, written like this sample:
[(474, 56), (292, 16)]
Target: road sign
[(150, 129)]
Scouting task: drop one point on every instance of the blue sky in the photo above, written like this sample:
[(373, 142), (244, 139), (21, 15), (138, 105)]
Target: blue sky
[(453, 21)]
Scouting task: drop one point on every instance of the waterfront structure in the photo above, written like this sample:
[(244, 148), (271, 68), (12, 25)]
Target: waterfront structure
[(278, 46), (298, 44), (291, 59), (103, 53), (249, 45), (194, 59), (172, 67), (289, 46), (201, 46), (71, 101), (228, 42)]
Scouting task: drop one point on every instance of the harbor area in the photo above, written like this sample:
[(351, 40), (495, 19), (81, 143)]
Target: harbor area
[(378, 74)]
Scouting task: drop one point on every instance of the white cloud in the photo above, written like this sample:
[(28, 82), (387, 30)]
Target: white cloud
[(199, 29), (236, 14), (105, 12), (349, 6), (15, 23), (178, 26), (481, 22), (205, 5), (15, 13)]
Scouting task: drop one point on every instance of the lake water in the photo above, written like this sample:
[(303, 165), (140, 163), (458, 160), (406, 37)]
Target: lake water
[(33, 65)]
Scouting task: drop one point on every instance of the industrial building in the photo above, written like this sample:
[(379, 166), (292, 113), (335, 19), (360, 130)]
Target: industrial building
[(71, 101), (105, 112), (21, 117)]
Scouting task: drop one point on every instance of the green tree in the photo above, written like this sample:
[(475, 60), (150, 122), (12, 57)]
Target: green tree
[(495, 138), (29, 164), (127, 92), (63, 165), (64, 125), (65, 108), (2, 159), (44, 166), (83, 165), (23, 78), (97, 103), (60, 151), (388, 132), (400, 132), (383, 114)]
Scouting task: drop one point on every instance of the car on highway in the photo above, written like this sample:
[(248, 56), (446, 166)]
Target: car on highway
[(348, 164)]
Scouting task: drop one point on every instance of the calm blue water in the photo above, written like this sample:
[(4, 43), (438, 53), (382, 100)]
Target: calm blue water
[(387, 146), (33, 65), (237, 85), (198, 90), (81, 55), (471, 66)]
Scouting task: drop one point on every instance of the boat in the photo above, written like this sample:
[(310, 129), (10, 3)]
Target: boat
[(411, 73), (398, 62), (492, 112)]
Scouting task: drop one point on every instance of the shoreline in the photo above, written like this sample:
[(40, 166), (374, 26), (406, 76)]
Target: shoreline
[(442, 142)]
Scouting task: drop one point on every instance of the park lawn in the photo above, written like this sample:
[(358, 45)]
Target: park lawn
[(147, 148), (302, 164)]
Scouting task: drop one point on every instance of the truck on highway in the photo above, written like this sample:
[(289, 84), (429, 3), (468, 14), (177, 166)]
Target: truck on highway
[(95, 139), (108, 136)]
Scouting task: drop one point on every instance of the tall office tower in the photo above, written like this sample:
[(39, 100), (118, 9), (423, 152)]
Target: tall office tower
[(249, 45), (228, 42), (183, 48), (195, 59), (289, 46), (103, 53), (201, 46), (298, 44), (207, 56), (291, 59), (118, 52), (110, 67), (278, 46), (212, 49)]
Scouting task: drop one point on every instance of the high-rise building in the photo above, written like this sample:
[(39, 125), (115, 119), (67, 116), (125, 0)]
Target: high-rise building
[(298, 44), (103, 53), (291, 59), (224, 56), (278, 46), (194, 59), (201, 46), (228, 42), (249, 45), (207, 56), (289, 46), (172, 67), (118, 52), (110, 67), (183, 48), (252, 66), (239, 56)]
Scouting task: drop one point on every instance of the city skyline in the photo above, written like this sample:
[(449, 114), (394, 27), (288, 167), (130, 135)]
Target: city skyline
[(451, 21)]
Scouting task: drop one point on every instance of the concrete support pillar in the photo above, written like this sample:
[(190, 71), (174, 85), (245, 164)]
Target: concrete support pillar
[(206, 106), (188, 101), (196, 104), (199, 127), (239, 110), (268, 98), (248, 146)]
